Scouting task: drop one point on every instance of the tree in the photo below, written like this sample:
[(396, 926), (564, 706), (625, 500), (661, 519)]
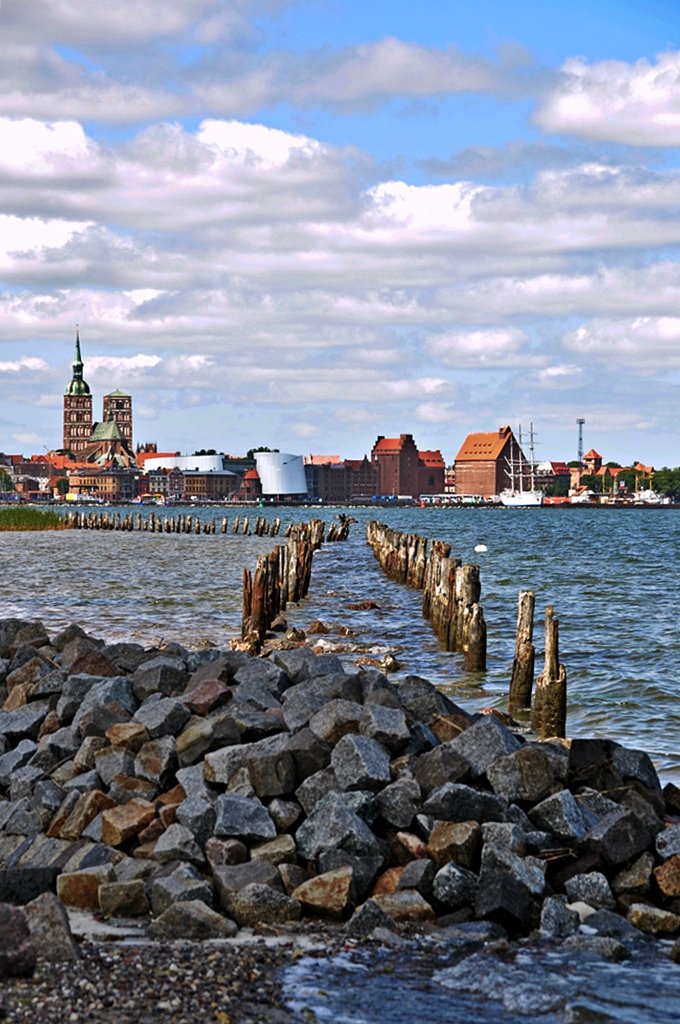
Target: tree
[(5, 481), (63, 485), (206, 451), (251, 451)]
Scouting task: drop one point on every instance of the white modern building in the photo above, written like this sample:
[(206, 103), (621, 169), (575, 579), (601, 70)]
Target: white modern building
[(281, 473)]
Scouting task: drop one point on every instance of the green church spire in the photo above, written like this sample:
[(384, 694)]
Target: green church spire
[(78, 385)]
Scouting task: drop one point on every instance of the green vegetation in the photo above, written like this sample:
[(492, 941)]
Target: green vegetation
[(667, 482), (5, 481), (30, 519)]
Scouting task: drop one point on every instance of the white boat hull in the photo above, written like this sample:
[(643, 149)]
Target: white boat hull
[(521, 499)]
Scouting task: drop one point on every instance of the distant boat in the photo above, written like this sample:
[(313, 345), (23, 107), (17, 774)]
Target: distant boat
[(518, 496)]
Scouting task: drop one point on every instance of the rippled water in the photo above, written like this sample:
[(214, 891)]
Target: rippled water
[(611, 575)]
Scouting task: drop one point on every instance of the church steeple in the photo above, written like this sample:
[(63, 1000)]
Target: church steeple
[(78, 385)]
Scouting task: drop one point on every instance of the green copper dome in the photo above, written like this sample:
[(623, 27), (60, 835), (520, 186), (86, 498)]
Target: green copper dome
[(78, 385)]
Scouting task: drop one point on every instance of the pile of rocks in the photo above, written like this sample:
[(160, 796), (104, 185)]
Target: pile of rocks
[(208, 791)]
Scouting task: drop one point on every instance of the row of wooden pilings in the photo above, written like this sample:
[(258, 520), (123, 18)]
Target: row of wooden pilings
[(156, 523), (451, 591), (283, 575)]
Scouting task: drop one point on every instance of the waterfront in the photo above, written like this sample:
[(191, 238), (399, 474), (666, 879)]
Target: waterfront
[(611, 576)]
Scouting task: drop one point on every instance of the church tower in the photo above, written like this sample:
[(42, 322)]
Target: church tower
[(77, 407), (118, 406)]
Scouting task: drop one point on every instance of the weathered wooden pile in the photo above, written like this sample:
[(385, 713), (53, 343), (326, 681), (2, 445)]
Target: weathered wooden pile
[(207, 791), (154, 522), (282, 576), (451, 590)]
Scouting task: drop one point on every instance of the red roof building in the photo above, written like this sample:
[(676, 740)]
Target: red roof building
[(431, 472), (396, 460), (483, 463)]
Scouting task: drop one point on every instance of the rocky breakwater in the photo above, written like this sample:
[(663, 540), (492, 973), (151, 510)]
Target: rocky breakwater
[(209, 791)]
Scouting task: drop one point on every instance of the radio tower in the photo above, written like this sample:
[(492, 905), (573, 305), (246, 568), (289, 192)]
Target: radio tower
[(580, 422)]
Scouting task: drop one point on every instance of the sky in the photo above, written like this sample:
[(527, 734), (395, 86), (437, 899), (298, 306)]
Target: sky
[(305, 224)]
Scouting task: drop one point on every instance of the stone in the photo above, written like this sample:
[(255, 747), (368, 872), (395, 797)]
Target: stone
[(333, 825), (599, 946), (612, 924), (162, 674), (86, 808), (272, 774), (425, 702), (667, 877), (80, 889), (123, 899), (258, 904), (20, 885), (623, 835), (506, 833), (197, 814), (654, 921), (360, 763), (310, 754), (593, 889), (561, 815), (25, 722), (178, 843), (529, 774), (265, 673), (123, 822), (284, 813), (277, 851), (206, 696), (557, 920), (399, 802), (457, 802), (191, 920), (124, 788), (157, 760), (405, 906), (17, 952), (386, 725), (83, 759), (529, 871), (50, 930), (315, 788), (636, 879), (220, 765), (82, 693), (230, 879), (435, 768), (457, 841), (388, 881), (668, 842), (483, 742), (455, 886), (327, 895), (163, 717), (14, 759), (112, 761), (128, 735), (221, 852), (419, 875), (241, 817), (366, 919), (503, 898), (334, 720), (184, 884)]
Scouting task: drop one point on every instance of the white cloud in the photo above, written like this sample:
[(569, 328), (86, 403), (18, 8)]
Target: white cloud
[(636, 104), (561, 375), (30, 363), (499, 346), (122, 365), (645, 344)]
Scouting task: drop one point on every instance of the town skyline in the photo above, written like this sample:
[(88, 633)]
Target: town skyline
[(304, 223)]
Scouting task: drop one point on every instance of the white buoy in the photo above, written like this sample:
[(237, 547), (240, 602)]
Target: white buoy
[(480, 547)]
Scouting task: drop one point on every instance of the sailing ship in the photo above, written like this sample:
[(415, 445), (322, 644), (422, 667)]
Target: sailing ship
[(516, 495)]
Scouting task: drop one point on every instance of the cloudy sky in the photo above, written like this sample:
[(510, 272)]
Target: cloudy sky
[(303, 224)]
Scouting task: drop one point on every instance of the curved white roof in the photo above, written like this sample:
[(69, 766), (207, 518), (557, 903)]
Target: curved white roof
[(281, 473)]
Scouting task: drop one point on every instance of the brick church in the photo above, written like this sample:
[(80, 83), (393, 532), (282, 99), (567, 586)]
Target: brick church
[(107, 443)]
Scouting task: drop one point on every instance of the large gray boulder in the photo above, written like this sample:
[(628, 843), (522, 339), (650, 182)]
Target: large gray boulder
[(242, 817), (360, 763)]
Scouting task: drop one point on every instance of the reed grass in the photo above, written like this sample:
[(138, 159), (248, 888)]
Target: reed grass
[(30, 519)]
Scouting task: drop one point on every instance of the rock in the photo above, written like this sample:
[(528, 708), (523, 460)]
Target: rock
[(360, 763), (334, 720), (557, 920), (310, 754), (17, 952), (50, 930), (668, 842), (220, 765), (284, 813), (178, 843), (124, 788), (258, 904), (328, 895), (560, 815), (333, 825), (163, 717), (418, 875), (277, 851), (25, 722), (162, 674), (442, 765), (315, 788), (529, 774), (83, 693), (386, 725), (503, 898), (80, 889), (455, 886), (157, 761), (87, 806), (457, 841), (197, 814), (128, 735), (191, 920), (528, 871), (272, 774), (14, 759), (123, 899), (667, 877), (636, 879), (366, 919), (425, 703), (22, 884), (123, 822), (593, 889), (399, 802), (206, 696), (506, 833), (225, 851), (242, 817), (653, 921), (624, 834), (405, 906), (179, 886), (599, 946), (483, 742), (230, 879), (457, 802), (612, 924)]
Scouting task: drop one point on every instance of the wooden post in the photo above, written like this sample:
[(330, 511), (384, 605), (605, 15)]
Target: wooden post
[(549, 709), (522, 680)]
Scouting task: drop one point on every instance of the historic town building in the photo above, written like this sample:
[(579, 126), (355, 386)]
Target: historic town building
[(487, 463), (108, 442), (77, 408)]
